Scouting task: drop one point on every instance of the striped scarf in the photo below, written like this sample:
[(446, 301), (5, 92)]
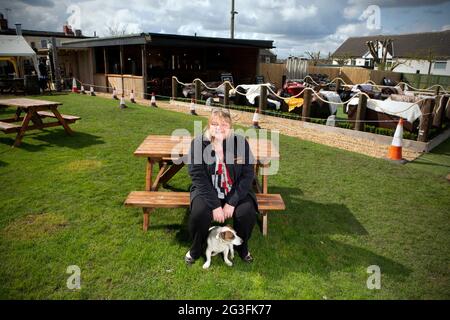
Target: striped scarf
[(221, 179)]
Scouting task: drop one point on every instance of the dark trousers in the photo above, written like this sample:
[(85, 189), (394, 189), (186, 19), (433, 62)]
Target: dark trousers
[(200, 218)]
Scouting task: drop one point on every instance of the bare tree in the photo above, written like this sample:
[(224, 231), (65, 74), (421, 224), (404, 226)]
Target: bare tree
[(343, 58), (117, 29), (373, 49), (314, 57)]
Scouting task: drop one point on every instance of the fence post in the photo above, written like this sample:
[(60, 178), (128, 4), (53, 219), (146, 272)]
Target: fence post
[(439, 107), (197, 90), (174, 88), (361, 112), (424, 125), (226, 94), (436, 91), (338, 85), (306, 110), (262, 98)]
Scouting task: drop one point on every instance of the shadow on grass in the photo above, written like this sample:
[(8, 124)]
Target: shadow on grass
[(3, 163), (55, 138), (182, 233), (321, 256), (430, 163), (316, 218)]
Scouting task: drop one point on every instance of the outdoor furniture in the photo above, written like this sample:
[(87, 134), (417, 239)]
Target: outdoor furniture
[(168, 151), (35, 111)]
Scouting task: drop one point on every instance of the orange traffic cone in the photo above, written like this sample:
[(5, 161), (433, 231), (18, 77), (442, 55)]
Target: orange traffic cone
[(256, 119), (74, 85), (92, 92), (192, 107), (395, 149), (132, 97), (153, 101), (122, 103), (114, 94)]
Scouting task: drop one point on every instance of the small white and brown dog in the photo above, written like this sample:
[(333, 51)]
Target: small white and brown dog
[(221, 239)]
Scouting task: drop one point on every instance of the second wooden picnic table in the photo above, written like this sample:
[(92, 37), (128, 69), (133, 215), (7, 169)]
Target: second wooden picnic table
[(35, 110)]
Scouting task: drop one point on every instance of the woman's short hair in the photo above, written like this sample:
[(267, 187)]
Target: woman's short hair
[(218, 113)]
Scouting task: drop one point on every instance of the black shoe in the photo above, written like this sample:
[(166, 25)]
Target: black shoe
[(248, 258), (188, 259)]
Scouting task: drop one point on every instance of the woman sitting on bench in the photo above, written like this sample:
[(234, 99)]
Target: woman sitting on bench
[(221, 167)]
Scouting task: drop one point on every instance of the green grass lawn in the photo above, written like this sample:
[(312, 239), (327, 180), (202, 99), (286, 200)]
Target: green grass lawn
[(61, 204)]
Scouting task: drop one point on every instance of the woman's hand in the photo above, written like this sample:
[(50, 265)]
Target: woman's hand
[(218, 215), (228, 211)]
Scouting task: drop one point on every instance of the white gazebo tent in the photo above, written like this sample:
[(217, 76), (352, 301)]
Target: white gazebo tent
[(16, 46)]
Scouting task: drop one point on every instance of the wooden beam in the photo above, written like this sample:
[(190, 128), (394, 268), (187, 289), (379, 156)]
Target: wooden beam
[(361, 113), (306, 110), (226, 95), (144, 69), (262, 99), (105, 63), (197, 90), (425, 120), (121, 69), (174, 88)]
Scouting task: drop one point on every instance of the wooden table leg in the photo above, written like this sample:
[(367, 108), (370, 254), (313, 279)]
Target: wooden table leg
[(37, 120), (23, 128), (148, 186), (146, 222), (264, 223), (168, 174), (148, 175), (162, 169), (61, 120), (264, 190), (17, 115)]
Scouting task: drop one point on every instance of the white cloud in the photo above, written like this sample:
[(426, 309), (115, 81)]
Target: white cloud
[(298, 13), (295, 25)]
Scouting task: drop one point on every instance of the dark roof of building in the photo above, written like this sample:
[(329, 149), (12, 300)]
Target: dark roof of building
[(37, 33), (169, 40), (403, 46)]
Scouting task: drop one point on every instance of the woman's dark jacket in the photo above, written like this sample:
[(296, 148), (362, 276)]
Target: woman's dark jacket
[(240, 167)]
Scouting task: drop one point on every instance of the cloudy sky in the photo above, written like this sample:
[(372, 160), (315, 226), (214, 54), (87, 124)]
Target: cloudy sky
[(295, 26)]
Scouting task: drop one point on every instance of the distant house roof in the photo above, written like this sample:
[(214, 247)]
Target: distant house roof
[(403, 46), (37, 33), (267, 52), (159, 39)]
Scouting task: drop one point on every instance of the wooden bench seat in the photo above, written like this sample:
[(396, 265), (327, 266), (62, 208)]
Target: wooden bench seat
[(155, 199), (9, 127), (66, 117)]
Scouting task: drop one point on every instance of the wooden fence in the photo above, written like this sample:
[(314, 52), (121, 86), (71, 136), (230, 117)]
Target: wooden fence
[(424, 81), (274, 72)]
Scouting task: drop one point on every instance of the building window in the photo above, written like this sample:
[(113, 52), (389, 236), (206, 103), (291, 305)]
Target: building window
[(267, 59), (44, 44), (440, 65)]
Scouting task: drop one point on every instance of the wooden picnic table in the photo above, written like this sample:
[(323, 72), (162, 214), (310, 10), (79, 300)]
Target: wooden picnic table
[(169, 151), (35, 110)]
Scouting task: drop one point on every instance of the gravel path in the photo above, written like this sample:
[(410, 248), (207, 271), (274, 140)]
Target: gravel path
[(293, 128)]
